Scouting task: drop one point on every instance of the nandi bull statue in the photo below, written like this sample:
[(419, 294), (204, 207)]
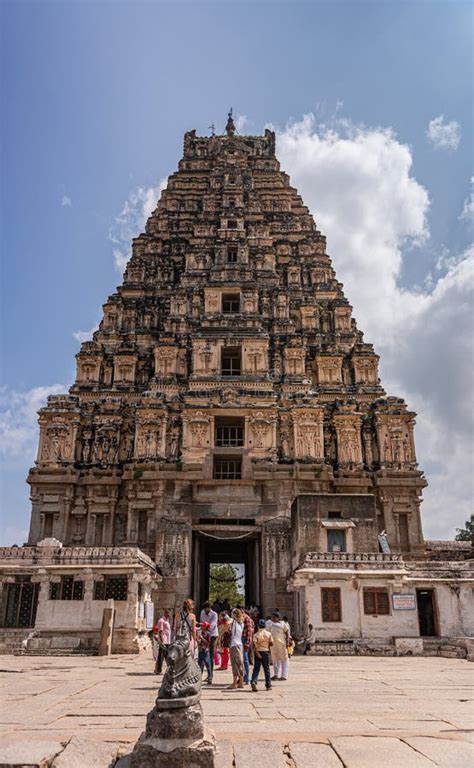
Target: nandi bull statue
[(182, 676), (175, 736)]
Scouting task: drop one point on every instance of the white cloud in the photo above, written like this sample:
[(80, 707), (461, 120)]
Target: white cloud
[(467, 213), (444, 135), (131, 221), (240, 123), (66, 201), (19, 420), (81, 336), (357, 181)]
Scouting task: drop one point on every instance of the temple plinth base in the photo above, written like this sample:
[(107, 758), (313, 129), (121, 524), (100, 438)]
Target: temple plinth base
[(175, 737)]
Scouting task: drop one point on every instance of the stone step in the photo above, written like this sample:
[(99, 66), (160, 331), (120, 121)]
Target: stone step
[(55, 653), (11, 640)]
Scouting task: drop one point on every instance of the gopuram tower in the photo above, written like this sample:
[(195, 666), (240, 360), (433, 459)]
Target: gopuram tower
[(228, 408)]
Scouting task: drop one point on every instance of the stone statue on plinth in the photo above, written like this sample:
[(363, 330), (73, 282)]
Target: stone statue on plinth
[(175, 736)]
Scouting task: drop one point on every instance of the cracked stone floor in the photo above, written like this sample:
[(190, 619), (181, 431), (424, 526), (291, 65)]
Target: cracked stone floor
[(332, 712)]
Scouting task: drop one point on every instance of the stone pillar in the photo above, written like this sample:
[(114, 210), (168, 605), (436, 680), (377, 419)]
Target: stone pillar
[(88, 596), (42, 578), (67, 504), (107, 629)]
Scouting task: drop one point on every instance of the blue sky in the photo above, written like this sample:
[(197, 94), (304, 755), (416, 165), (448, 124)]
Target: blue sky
[(96, 98)]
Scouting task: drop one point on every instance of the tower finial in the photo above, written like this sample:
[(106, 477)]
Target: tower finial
[(230, 127)]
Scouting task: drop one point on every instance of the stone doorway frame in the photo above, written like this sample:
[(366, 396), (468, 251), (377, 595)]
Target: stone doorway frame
[(226, 546), (423, 612)]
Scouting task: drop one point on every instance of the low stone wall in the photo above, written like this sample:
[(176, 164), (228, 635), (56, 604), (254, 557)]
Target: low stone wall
[(61, 642), (11, 640)]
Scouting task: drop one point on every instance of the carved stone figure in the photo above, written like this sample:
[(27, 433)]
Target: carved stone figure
[(182, 677), (86, 445), (174, 442)]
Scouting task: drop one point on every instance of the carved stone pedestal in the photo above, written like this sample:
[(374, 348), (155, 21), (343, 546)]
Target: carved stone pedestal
[(175, 737)]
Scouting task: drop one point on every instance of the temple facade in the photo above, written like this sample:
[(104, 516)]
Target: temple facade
[(228, 408)]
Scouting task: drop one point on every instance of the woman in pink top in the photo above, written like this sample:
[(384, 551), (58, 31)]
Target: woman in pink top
[(163, 639)]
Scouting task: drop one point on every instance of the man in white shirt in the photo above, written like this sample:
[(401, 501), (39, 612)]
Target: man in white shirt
[(210, 616), (310, 640)]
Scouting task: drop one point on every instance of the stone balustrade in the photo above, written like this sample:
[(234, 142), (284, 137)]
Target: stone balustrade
[(362, 560), (80, 555)]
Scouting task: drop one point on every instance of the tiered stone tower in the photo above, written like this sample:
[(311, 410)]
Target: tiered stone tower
[(227, 378)]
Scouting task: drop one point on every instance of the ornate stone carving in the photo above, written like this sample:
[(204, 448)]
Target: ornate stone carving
[(281, 307), (88, 368), (178, 306), (277, 547), (57, 437), (262, 432), (149, 440), (205, 357), (124, 369), (249, 302), (255, 358), (342, 318), (212, 301), (366, 369), (394, 425), (348, 435), (328, 369), (308, 434), (294, 276), (309, 320), (197, 430), (106, 443), (294, 361), (166, 361)]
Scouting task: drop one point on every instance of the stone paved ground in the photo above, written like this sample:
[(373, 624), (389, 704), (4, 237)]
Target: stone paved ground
[(332, 712)]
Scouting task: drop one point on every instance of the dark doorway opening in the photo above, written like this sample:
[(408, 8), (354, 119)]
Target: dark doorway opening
[(427, 619), (21, 603), (233, 550)]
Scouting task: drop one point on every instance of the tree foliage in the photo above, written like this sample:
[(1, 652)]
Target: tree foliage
[(466, 533), (223, 583)]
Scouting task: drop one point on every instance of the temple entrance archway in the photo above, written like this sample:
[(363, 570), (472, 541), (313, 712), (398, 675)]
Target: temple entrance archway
[(226, 547)]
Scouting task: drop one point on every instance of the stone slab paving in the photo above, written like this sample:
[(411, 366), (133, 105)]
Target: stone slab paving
[(313, 754), (378, 751), (332, 712)]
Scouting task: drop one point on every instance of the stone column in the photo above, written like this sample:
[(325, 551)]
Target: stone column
[(107, 629), (67, 504), (42, 578), (88, 575)]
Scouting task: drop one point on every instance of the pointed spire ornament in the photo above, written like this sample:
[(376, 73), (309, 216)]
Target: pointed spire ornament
[(230, 127)]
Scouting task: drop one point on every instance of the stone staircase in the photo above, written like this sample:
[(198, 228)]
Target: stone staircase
[(50, 644), (352, 648), (11, 640), (333, 648), (449, 648)]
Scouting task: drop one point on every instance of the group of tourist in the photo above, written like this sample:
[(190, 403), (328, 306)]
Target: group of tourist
[(241, 637)]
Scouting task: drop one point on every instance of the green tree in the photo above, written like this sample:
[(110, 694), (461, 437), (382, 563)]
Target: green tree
[(466, 533), (223, 584)]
